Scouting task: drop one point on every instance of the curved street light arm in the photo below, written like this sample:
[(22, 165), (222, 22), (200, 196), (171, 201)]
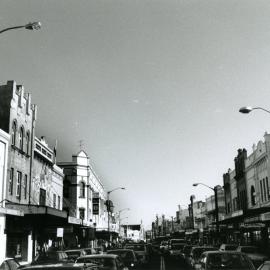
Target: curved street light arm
[(109, 192), (29, 26), (196, 184), (260, 108), (11, 28)]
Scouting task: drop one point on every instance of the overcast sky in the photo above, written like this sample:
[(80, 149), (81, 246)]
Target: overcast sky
[(152, 88)]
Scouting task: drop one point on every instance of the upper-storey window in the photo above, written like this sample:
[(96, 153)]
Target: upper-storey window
[(82, 190), (21, 135), (27, 138), (13, 133), (253, 195)]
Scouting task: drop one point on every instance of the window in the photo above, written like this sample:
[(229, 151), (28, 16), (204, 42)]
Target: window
[(82, 213), (54, 201), (261, 190), (267, 188), (66, 188), (82, 189), (253, 195), (13, 133), (21, 138), (19, 185), (59, 200), (264, 189), (27, 143), (42, 197), (25, 186), (11, 177)]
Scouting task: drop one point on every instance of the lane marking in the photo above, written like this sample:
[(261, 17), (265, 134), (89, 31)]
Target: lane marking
[(162, 263)]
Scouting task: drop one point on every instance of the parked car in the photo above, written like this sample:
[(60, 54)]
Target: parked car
[(51, 256), (163, 246), (9, 264), (252, 252), (128, 256), (90, 251), (176, 249), (62, 266), (104, 261), (229, 260), (73, 254), (176, 241), (140, 250), (196, 253), (265, 266), (227, 247)]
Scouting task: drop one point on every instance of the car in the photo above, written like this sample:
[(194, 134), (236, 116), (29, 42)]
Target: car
[(73, 254), (90, 251), (128, 256), (62, 266), (163, 246), (51, 256), (252, 252), (264, 266), (226, 247), (229, 260), (104, 261), (175, 249), (196, 253), (140, 250), (9, 263), (186, 251)]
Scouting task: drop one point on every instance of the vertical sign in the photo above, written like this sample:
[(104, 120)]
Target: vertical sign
[(95, 201)]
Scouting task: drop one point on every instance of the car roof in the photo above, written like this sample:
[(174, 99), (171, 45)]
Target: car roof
[(100, 256), (55, 266), (122, 249), (223, 252), (69, 250)]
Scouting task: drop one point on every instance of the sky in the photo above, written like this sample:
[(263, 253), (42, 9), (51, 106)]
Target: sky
[(152, 87)]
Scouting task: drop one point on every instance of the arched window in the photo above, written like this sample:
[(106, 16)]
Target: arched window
[(253, 195), (21, 135), (82, 189), (13, 133), (27, 138)]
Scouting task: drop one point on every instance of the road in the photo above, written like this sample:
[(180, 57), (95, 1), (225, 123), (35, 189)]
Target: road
[(159, 262)]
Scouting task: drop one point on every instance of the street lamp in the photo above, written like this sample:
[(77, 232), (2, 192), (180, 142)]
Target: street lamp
[(28, 26), (248, 109), (215, 189), (109, 205)]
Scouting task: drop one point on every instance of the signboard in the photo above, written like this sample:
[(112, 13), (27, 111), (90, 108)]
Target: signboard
[(60, 232), (95, 201)]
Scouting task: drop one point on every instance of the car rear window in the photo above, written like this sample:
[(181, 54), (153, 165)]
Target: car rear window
[(217, 261), (136, 247)]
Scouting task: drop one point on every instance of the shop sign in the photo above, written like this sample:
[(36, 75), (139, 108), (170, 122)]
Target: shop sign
[(95, 201), (265, 216), (253, 225), (252, 219), (60, 232)]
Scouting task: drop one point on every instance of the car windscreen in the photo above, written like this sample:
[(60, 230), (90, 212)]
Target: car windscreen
[(124, 255), (249, 249), (104, 262), (227, 261), (177, 246), (136, 247), (230, 247)]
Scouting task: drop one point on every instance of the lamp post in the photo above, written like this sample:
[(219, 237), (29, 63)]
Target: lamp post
[(28, 26), (248, 109), (109, 206), (215, 189)]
